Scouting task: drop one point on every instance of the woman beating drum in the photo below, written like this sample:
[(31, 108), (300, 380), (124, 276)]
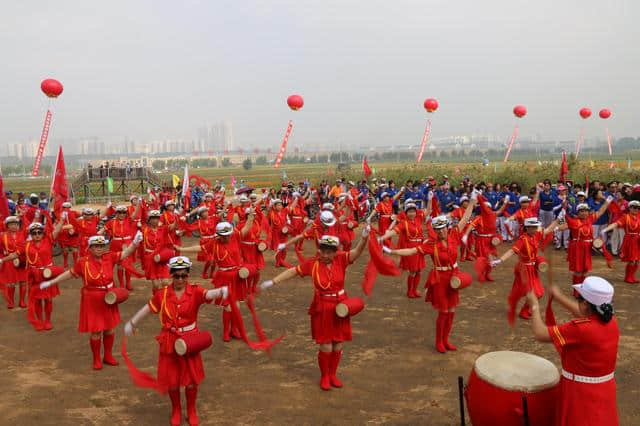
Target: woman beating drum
[(443, 250), (588, 347), (327, 270), (97, 316), (177, 307)]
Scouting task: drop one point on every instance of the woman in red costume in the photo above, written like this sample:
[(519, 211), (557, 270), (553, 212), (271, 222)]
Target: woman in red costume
[(121, 230), (588, 348), (327, 270), (630, 251), (96, 316), (172, 221), (443, 249), (526, 277), (10, 274), (410, 230), (384, 209), (581, 243), (298, 217), (277, 218), (206, 227), (177, 307), (86, 226), (68, 238), (37, 255), (347, 221), (155, 242), (466, 248), (324, 224)]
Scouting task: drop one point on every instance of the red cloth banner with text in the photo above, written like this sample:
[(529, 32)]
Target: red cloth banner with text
[(425, 139), (283, 147), (43, 143), (511, 142)]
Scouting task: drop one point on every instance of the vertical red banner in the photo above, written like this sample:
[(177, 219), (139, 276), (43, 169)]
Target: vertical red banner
[(43, 143), (579, 142), (513, 139), (283, 147), (425, 138)]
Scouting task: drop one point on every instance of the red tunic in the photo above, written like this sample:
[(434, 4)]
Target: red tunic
[(9, 273), (168, 219), (297, 216), (85, 228), (579, 252), (69, 237), (439, 291), (207, 230), (249, 245), (154, 242), (485, 227), (411, 235), (520, 215), (630, 251), (277, 221), (37, 256), (121, 232), (228, 258), (347, 235), (97, 279), (587, 347), (328, 283), (385, 210), (176, 313), (317, 230), (525, 272)]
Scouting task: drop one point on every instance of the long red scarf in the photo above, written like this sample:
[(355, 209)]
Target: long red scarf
[(378, 264)]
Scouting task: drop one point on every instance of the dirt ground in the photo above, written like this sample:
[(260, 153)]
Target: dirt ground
[(392, 373)]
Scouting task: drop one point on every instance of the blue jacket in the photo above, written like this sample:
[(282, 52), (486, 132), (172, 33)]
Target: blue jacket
[(595, 206)]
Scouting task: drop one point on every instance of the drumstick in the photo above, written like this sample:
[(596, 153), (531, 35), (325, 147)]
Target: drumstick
[(525, 411), (460, 387)]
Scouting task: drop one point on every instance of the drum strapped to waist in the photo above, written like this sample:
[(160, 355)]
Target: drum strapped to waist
[(597, 243), (262, 246), (163, 255), (350, 225), (496, 240), (460, 280), (243, 273), (499, 381), (541, 264), (284, 230), (193, 341), (115, 296), (17, 263), (47, 272), (350, 307)]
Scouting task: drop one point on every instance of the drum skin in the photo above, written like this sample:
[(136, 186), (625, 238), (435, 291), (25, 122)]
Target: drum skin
[(489, 405)]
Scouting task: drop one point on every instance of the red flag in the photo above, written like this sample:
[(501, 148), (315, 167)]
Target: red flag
[(4, 203), (59, 186), (365, 168), (564, 167)]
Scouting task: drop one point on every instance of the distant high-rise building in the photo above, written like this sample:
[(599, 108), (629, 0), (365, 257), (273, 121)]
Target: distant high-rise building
[(226, 130)]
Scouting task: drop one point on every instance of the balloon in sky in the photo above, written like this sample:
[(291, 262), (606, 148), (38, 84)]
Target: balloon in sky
[(605, 113), (520, 111), (51, 87), (430, 104), (295, 102), (585, 112)]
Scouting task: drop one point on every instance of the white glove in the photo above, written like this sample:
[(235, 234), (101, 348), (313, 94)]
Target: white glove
[(561, 215), (464, 239), (609, 198), (36, 214), (474, 194), (281, 246), (288, 221), (496, 262), (128, 329), (45, 285), (366, 231), (429, 195), (137, 239), (225, 292), (402, 189), (266, 284), (64, 215), (386, 249), (109, 204), (506, 198), (149, 191)]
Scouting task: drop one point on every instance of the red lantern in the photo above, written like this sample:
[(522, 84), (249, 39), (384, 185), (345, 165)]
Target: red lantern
[(295, 102), (520, 111), (605, 113), (430, 105), (585, 112), (52, 88)]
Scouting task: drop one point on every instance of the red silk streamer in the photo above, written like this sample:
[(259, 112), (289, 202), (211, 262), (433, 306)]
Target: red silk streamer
[(140, 378), (283, 147), (425, 138), (378, 264), (43, 143), (579, 142), (513, 139), (482, 268)]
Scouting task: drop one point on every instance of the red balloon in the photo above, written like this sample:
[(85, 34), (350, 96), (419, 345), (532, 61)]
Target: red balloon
[(585, 112), (52, 88), (430, 105), (605, 113), (520, 111), (295, 102)]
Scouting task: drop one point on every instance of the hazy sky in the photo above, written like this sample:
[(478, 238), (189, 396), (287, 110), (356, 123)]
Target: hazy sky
[(158, 69)]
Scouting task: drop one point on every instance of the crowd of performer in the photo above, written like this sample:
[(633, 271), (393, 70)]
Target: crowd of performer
[(422, 218)]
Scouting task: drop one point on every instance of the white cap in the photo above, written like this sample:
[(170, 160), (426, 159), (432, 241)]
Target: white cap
[(634, 203), (121, 208), (327, 218), (169, 203), (351, 183), (524, 199), (329, 241), (243, 199), (66, 205), (439, 222), (581, 194), (384, 194), (276, 201), (343, 195), (35, 225), (98, 240), (295, 194), (202, 209), (11, 219), (87, 211), (463, 199), (532, 221), (409, 206), (33, 195), (133, 197), (224, 228), (179, 262), (328, 206), (154, 213), (253, 196), (583, 206), (208, 194), (595, 290)]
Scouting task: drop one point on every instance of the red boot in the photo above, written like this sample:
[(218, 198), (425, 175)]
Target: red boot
[(630, 272), (324, 360), (11, 292), (191, 394), (38, 324), (107, 340), (416, 283), (95, 349), (410, 286), (48, 308), (333, 369), (121, 277), (447, 329), (23, 293), (226, 325), (440, 322), (127, 276), (176, 408)]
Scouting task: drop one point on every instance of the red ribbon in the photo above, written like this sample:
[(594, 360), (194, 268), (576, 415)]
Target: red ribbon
[(378, 264)]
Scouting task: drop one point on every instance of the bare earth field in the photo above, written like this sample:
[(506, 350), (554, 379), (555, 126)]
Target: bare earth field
[(391, 371)]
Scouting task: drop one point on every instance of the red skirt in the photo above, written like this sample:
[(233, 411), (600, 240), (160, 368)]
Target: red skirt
[(95, 314), (630, 251), (276, 238), (413, 263), (579, 255), (175, 370), (252, 255), (230, 278), (439, 291), (68, 240), (484, 248), (326, 325), (118, 245), (571, 409), (9, 274), (34, 278), (525, 279), (153, 270)]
